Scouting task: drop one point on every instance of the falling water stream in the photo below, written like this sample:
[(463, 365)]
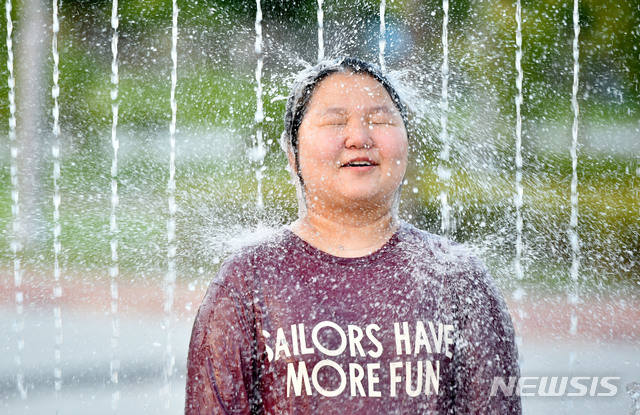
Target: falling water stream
[(383, 35), (320, 31), (518, 293), (573, 225), (57, 229), (260, 149), (16, 244), (444, 168), (114, 268), (170, 276)]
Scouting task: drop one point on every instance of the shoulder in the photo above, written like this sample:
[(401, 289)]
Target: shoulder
[(262, 250), (236, 277), (461, 269), (444, 254)]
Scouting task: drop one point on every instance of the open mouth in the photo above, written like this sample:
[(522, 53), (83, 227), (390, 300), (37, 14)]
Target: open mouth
[(359, 163)]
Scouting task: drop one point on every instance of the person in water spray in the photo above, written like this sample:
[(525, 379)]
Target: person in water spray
[(350, 310)]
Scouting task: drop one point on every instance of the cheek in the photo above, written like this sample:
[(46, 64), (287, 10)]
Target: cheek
[(319, 151), (395, 148)]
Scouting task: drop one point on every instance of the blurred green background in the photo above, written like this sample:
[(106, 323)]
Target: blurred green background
[(216, 99)]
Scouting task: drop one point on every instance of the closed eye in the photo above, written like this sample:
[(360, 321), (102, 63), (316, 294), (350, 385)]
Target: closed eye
[(381, 121), (381, 118), (334, 121)]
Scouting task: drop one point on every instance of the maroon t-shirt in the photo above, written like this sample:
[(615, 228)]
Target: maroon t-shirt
[(417, 327)]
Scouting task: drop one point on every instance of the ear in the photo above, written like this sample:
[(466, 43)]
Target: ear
[(292, 159)]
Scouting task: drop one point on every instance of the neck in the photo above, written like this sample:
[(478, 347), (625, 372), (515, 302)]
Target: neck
[(346, 235)]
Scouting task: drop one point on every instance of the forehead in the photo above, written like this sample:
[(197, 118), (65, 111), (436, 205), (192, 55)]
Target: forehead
[(348, 88)]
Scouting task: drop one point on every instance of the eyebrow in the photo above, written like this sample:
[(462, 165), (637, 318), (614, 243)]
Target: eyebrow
[(370, 110), (334, 110), (380, 108)]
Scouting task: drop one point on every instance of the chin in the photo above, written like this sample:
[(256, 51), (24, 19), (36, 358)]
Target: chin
[(367, 198)]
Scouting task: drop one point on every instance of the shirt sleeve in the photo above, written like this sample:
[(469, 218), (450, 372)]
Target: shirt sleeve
[(486, 346), (221, 366)]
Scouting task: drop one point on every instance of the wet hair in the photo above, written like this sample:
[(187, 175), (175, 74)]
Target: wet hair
[(305, 85)]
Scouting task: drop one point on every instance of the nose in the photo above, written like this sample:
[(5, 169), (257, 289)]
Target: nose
[(358, 134)]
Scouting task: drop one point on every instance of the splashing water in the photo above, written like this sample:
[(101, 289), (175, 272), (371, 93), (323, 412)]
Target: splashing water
[(57, 246), (114, 268), (633, 389), (170, 276), (232, 233), (16, 245), (444, 168)]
